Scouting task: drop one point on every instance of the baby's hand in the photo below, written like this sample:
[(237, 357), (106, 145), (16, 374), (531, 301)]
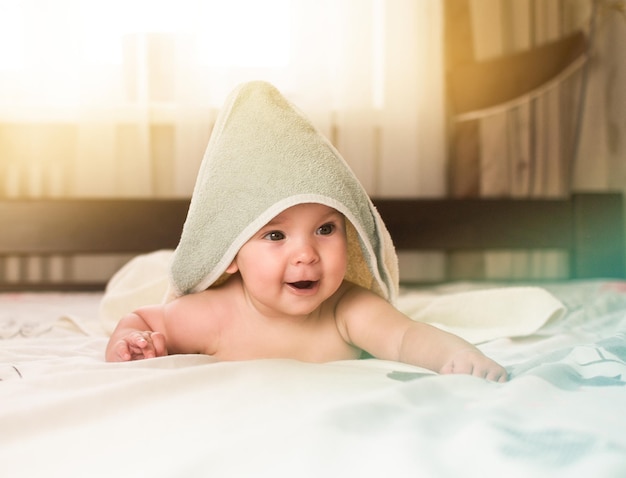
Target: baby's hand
[(473, 362), (139, 345)]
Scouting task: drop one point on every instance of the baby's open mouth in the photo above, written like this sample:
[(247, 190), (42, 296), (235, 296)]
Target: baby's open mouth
[(303, 284)]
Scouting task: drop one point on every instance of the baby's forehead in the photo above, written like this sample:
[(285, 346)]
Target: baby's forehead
[(311, 209)]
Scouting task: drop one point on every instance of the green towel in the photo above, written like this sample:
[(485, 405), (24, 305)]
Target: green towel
[(263, 157)]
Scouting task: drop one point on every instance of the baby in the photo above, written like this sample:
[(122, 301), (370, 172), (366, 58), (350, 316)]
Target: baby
[(287, 297), (283, 255)]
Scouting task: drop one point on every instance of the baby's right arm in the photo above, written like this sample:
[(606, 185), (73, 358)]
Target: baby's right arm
[(135, 339)]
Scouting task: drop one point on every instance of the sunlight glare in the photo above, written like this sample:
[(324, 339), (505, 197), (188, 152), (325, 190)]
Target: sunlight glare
[(234, 33), (257, 38), (243, 33), (11, 38)]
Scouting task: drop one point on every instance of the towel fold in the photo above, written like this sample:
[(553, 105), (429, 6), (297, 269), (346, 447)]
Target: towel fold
[(483, 315), (263, 157), (476, 315), (141, 281)]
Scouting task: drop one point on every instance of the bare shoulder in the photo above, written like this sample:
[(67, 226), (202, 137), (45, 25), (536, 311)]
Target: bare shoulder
[(370, 322), (200, 303), (359, 307), (356, 300), (191, 323)]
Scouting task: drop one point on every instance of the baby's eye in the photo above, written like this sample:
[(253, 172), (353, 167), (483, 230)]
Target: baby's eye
[(326, 229), (274, 236)]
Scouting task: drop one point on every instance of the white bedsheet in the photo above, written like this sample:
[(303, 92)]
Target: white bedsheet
[(65, 412)]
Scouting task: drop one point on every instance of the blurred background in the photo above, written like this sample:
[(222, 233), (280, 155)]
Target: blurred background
[(422, 97), (117, 98)]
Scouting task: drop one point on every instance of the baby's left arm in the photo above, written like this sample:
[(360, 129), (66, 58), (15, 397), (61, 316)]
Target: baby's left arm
[(374, 325)]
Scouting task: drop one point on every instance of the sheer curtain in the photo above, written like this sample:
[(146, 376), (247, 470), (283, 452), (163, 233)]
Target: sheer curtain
[(118, 98)]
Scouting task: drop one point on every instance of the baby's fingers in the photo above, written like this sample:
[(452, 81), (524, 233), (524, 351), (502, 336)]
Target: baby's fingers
[(147, 345), (498, 374), (140, 345), (121, 352), (490, 371), (474, 363), (158, 343)]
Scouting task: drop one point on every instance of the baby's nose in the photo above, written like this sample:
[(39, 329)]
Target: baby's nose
[(305, 253)]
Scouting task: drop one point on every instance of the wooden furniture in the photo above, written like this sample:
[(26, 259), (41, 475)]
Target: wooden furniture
[(590, 227)]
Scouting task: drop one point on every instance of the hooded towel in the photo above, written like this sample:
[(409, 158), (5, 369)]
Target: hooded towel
[(263, 157)]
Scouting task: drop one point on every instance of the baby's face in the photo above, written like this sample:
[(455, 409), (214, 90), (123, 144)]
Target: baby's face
[(296, 261)]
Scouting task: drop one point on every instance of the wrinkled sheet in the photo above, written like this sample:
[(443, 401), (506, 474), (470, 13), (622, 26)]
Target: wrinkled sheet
[(65, 412)]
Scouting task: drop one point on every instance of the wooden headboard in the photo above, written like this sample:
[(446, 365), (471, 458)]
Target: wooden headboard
[(590, 227)]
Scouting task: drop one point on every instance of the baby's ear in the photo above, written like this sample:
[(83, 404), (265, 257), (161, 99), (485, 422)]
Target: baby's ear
[(232, 268)]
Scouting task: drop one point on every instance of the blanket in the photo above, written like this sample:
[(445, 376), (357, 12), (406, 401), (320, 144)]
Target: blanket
[(65, 412)]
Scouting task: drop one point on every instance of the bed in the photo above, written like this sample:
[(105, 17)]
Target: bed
[(65, 412)]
